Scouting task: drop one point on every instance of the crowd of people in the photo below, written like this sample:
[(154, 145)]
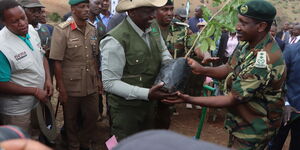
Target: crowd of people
[(93, 53)]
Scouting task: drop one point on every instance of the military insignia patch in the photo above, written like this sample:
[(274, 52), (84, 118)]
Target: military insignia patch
[(154, 30), (261, 60), (244, 9)]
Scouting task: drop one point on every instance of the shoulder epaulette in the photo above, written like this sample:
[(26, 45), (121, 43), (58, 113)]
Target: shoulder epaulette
[(64, 24)]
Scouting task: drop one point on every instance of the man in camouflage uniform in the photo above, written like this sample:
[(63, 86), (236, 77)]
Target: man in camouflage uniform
[(175, 35), (254, 77)]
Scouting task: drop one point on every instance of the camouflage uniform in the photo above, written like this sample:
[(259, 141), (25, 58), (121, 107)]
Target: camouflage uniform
[(179, 41), (255, 119), (177, 38)]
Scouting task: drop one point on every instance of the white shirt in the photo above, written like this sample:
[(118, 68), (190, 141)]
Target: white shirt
[(292, 40), (231, 45), (113, 63)]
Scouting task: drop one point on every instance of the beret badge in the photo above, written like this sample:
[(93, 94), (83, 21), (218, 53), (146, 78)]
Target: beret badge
[(244, 9)]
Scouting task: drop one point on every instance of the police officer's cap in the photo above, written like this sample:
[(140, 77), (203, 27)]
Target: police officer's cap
[(258, 9), (30, 3), (74, 2), (181, 12)]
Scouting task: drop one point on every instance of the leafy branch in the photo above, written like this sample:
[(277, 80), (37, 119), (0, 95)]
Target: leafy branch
[(225, 18)]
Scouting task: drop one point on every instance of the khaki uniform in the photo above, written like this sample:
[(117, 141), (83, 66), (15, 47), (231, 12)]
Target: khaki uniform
[(77, 50)]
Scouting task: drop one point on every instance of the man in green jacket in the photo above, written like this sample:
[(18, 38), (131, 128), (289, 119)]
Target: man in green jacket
[(132, 54)]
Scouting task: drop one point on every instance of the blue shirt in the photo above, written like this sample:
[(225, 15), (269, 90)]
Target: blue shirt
[(5, 70), (193, 23), (292, 59), (105, 19)]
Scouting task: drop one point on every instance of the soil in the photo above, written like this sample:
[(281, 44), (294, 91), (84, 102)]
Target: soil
[(186, 123)]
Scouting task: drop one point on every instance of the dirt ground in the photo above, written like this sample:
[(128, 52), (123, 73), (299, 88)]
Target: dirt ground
[(186, 123)]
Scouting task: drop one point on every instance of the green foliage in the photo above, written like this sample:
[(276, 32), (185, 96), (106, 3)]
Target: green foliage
[(55, 17), (226, 19)]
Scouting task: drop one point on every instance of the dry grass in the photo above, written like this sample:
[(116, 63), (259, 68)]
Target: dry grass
[(59, 6)]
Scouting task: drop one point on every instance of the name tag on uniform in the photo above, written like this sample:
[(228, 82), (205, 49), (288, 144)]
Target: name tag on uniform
[(261, 60), (20, 56)]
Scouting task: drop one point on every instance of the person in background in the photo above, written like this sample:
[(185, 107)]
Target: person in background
[(228, 43), (43, 20), (284, 35), (24, 73), (74, 49), (95, 9), (254, 78), (295, 37), (181, 14), (198, 17), (172, 30), (105, 14), (132, 55), (291, 114), (66, 16), (115, 20), (273, 32)]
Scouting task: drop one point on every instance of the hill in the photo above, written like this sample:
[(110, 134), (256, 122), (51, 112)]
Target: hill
[(287, 10)]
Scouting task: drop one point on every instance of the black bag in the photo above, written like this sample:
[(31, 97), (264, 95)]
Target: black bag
[(174, 74)]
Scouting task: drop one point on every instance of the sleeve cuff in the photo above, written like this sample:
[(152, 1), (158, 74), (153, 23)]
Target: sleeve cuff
[(143, 94)]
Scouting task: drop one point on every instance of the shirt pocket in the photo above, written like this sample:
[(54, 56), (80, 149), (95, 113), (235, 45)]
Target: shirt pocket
[(75, 49), (136, 64), (73, 80), (24, 63)]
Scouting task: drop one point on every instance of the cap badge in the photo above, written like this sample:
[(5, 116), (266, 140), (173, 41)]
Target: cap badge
[(244, 9)]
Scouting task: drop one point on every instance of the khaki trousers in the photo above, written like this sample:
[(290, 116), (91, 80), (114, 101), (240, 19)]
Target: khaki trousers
[(28, 122), (83, 108)]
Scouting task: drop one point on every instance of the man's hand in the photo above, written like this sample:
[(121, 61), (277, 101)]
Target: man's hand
[(41, 95), (287, 113), (181, 98), (63, 96), (205, 56), (209, 59), (48, 87), (196, 67), (156, 93)]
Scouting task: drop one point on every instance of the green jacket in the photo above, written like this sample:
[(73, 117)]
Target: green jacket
[(142, 64)]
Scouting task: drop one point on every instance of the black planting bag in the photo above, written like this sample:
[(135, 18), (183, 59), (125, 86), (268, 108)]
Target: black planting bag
[(174, 74)]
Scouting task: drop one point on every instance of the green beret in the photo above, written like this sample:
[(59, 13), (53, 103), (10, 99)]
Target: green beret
[(170, 2), (74, 2), (258, 9)]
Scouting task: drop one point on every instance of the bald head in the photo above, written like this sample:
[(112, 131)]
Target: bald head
[(296, 30), (286, 26), (198, 12)]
